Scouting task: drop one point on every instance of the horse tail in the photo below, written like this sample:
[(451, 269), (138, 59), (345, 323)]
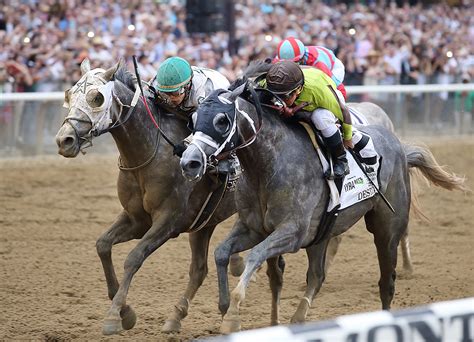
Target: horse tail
[(423, 160)]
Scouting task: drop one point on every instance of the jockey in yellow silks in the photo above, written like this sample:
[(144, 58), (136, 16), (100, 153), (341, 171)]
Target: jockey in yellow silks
[(312, 90)]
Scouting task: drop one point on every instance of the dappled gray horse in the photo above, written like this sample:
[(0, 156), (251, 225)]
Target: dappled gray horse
[(375, 115), (283, 194), (157, 204)]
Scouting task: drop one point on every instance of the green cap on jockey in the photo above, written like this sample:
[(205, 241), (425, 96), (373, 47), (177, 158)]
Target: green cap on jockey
[(173, 74)]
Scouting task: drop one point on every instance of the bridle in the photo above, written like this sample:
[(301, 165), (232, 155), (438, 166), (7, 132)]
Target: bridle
[(102, 123), (221, 152)]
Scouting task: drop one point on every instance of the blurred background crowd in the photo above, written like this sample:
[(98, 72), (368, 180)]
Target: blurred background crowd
[(380, 42), (44, 41)]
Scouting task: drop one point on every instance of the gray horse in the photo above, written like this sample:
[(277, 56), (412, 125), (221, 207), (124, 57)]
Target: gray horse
[(157, 204), (282, 198)]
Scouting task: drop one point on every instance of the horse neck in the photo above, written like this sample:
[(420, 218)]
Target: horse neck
[(261, 154), (137, 138)]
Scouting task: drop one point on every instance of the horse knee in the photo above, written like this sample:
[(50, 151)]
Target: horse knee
[(221, 256), (103, 246)]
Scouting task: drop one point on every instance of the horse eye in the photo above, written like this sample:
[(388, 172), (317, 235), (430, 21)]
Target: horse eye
[(99, 99), (221, 123)]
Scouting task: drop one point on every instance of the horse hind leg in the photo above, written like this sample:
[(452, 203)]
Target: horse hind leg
[(236, 265), (406, 255), (315, 275), (331, 252), (276, 267), (121, 231), (387, 236), (199, 243)]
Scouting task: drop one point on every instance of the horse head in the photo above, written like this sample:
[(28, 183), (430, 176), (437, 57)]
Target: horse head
[(215, 131), (90, 107)]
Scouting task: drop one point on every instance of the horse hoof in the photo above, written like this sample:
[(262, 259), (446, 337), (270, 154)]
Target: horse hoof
[(297, 320), (230, 325), (129, 318), (171, 326), (112, 326)]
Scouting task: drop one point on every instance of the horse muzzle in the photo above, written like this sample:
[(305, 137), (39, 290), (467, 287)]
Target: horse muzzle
[(191, 163), (68, 143)]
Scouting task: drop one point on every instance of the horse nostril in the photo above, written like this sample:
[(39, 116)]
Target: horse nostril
[(194, 164), (65, 142)]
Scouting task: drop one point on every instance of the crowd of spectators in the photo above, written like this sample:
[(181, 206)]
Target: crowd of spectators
[(43, 42)]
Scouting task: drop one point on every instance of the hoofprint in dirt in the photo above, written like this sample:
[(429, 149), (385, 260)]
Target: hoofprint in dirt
[(52, 210)]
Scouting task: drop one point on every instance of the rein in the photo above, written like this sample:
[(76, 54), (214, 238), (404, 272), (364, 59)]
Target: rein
[(168, 140)]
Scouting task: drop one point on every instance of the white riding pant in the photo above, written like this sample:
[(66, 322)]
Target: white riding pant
[(326, 122)]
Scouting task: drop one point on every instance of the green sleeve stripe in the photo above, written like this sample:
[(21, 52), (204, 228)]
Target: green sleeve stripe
[(347, 131)]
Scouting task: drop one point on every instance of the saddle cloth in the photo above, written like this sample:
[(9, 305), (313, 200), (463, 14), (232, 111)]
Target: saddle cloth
[(355, 187)]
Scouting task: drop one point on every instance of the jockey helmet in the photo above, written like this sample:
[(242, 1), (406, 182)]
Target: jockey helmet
[(291, 49), (284, 77), (173, 74)]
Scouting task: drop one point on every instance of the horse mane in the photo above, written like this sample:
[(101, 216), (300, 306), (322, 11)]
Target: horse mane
[(126, 77), (253, 70)]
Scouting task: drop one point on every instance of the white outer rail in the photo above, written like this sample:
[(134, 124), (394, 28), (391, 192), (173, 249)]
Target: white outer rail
[(395, 89)]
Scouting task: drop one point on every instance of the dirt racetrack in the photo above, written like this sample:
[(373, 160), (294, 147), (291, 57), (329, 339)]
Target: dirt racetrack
[(52, 286)]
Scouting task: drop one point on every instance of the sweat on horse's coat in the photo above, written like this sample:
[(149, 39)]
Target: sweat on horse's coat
[(282, 197)]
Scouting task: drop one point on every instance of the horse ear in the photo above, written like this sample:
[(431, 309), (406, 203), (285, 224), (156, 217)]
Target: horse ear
[(236, 92), (85, 66), (109, 73)]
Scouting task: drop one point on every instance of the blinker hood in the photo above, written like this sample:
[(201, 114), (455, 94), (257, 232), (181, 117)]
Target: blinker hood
[(208, 110)]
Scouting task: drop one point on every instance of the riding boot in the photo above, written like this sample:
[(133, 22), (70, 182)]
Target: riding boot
[(338, 155), (365, 151), (341, 166)]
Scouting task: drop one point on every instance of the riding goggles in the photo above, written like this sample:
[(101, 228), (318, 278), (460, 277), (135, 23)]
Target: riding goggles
[(176, 93)]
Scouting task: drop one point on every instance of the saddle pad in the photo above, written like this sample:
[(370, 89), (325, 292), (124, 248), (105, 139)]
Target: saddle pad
[(356, 187)]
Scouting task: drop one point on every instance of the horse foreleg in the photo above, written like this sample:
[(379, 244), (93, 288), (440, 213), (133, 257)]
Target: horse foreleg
[(276, 267), (317, 268), (283, 240), (239, 239), (121, 231), (153, 239), (199, 242)]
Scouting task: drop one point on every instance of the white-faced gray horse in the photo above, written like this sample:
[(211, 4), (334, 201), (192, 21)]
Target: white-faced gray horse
[(157, 203), (283, 195)]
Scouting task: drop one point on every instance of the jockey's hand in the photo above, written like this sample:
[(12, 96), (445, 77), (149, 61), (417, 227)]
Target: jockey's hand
[(348, 144), (288, 112)]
